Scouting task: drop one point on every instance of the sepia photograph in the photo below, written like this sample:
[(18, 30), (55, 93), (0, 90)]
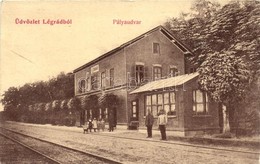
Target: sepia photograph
[(127, 81)]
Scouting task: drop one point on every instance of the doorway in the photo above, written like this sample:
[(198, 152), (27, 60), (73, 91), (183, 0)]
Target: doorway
[(134, 115)]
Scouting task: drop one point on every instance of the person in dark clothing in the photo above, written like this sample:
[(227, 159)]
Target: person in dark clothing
[(149, 119), (88, 126), (111, 121)]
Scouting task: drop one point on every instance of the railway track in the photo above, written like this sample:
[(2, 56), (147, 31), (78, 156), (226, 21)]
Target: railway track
[(20, 153), (54, 152), (199, 149)]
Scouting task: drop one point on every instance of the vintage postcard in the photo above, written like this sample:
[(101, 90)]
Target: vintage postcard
[(125, 81)]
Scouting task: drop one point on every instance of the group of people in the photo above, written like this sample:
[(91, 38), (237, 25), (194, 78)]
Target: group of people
[(149, 120), (162, 121), (94, 124)]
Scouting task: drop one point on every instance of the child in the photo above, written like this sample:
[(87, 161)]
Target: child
[(102, 124), (87, 126), (90, 125), (98, 124), (94, 124)]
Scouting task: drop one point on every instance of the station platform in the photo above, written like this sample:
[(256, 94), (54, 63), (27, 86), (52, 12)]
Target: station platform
[(122, 131)]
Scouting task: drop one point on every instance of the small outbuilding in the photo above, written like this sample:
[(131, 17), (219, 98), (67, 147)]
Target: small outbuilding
[(190, 112)]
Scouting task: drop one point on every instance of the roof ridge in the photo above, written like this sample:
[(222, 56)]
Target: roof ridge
[(128, 43)]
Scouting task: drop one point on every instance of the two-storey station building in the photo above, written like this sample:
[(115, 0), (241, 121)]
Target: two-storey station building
[(149, 72)]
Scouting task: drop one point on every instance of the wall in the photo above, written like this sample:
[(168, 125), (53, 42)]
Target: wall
[(185, 121), (174, 122), (142, 51), (192, 122), (116, 61)]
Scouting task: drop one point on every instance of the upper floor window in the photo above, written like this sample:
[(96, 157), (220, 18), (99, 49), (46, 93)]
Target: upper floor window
[(157, 73), (200, 102), (173, 72), (103, 79), (111, 72), (94, 82), (139, 73), (87, 84), (82, 86), (156, 48)]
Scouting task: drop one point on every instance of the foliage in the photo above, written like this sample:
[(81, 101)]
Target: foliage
[(56, 105), (225, 44), (11, 99), (89, 102), (234, 27), (64, 104), (108, 100), (74, 104), (48, 106), (19, 98), (225, 77)]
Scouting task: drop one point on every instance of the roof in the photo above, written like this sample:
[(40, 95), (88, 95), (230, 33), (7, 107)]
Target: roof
[(164, 31), (166, 83)]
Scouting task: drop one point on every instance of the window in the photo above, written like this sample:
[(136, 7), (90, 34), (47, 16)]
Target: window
[(102, 113), (139, 73), (156, 102), (87, 84), (94, 82), (157, 73), (134, 110), (111, 72), (200, 102), (103, 79), (169, 103), (156, 48), (82, 86), (173, 72)]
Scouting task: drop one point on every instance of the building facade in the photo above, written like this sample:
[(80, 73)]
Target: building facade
[(130, 71)]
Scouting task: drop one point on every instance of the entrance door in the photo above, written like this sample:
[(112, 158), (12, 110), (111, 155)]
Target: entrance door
[(134, 115), (134, 111)]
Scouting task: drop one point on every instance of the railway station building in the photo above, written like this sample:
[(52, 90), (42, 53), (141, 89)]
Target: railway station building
[(149, 72)]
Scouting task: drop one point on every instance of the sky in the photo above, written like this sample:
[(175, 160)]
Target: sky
[(34, 52)]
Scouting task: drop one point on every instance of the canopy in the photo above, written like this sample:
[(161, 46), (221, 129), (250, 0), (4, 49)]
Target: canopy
[(165, 83)]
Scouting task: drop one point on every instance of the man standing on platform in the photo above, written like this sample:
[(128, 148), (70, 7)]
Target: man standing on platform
[(149, 123), (111, 121), (162, 121)]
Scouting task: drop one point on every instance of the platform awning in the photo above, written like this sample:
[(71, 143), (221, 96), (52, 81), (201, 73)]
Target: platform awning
[(165, 83)]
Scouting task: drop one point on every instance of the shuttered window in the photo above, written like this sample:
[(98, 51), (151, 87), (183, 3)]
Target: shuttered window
[(139, 73), (156, 48)]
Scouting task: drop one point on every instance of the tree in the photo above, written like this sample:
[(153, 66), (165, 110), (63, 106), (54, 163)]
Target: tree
[(75, 108), (225, 77), (64, 111), (226, 48), (11, 99), (17, 100), (108, 100)]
